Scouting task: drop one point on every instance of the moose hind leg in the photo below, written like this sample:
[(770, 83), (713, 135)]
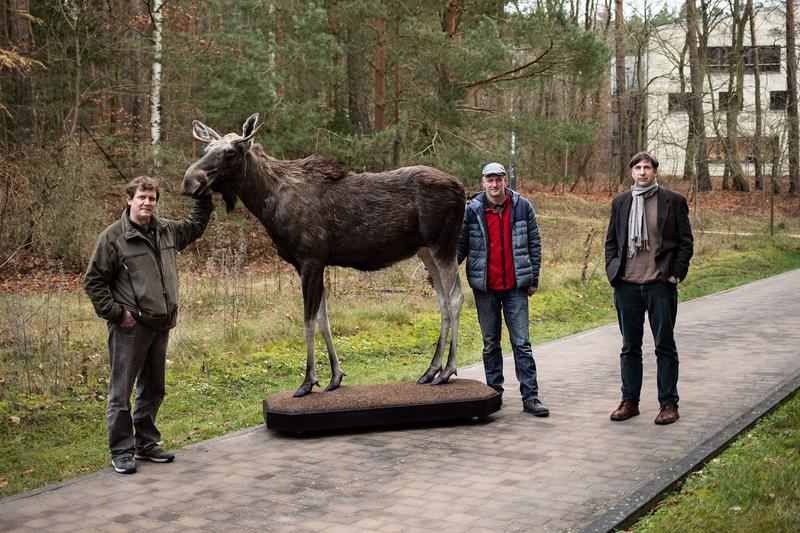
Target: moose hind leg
[(325, 328), (454, 298), (313, 288), (430, 375)]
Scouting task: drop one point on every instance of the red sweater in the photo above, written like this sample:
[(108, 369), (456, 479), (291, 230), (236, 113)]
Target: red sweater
[(501, 262)]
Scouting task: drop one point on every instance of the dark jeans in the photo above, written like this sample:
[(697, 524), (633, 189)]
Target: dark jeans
[(136, 354), (513, 304), (660, 300)]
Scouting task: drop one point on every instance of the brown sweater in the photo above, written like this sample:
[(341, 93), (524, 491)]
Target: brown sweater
[(642, 268)]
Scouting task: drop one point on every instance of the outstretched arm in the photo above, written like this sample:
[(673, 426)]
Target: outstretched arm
[(187, 231)]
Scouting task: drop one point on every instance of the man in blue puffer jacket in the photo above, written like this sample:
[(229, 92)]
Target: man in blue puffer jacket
[(500, 241)]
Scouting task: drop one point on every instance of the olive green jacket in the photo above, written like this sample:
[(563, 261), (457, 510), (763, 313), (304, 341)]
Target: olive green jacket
[(127, 272)]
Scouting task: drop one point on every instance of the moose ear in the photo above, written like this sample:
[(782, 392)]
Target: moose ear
[(249, 125), (201, 132)]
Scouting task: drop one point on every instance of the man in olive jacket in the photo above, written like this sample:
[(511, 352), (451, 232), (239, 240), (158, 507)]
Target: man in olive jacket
[(132, 281)]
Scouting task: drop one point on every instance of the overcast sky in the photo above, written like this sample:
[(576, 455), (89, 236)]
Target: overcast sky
[(638, 6)]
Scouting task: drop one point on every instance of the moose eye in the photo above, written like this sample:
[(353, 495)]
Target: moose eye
[(229, 153)]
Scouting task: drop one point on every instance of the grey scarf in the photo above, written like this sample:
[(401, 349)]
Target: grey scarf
[(637, 222)]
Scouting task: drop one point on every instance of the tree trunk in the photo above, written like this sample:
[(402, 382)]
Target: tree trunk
[(133, 102), (696, 65), (758, 169), (155, 87), (622, 107), (19, 37), (380, 75), (735, 89), (396, 104), (356, 83), (450, 14), (791, 93)]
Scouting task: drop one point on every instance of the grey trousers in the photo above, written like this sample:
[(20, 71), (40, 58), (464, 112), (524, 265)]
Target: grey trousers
[(136, 354)]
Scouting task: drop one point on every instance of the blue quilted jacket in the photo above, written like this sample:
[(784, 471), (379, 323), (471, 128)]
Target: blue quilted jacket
[(473, 244)]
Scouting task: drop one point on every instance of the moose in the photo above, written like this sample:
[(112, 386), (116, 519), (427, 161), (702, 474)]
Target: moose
[(318, 213)]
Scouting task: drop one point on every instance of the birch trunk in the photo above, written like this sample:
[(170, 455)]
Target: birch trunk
[(155, 85)]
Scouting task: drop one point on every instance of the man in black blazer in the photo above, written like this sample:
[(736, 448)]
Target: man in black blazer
[(648, 247)]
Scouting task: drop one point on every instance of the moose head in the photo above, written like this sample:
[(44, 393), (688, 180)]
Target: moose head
[(223, 161)]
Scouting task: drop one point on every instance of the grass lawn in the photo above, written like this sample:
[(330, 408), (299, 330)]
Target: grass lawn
[(752, 486)]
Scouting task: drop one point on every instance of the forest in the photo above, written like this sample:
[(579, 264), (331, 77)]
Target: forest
[(97, 92), (93, 93)]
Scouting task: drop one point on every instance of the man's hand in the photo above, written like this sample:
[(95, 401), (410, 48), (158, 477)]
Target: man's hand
[(532, 290), (127, 320), (673, 280)]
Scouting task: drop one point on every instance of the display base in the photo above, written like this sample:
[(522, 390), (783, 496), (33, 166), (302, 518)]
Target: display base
[(355, 406)]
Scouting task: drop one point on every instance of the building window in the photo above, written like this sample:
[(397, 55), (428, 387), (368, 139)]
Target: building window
[(778, 100), (724, 98), (718, 58), (715, 149), (769, 59), (678, 102)]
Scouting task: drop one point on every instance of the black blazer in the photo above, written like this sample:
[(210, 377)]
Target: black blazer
[(677, 242)]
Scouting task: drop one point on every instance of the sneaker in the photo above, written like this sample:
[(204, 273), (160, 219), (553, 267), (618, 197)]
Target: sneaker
[(535, 407), (124, 464), (667, 415), (155, 454), (627, 409)]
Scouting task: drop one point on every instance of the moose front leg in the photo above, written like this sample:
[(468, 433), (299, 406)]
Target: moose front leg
[(311, 279)]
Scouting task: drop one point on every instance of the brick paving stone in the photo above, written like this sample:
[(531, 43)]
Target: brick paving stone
[(512, 472)]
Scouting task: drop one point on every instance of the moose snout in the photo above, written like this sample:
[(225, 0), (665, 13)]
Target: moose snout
[(195, 180)]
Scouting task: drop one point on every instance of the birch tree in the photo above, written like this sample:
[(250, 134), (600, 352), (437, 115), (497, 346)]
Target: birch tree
[(155, 82)]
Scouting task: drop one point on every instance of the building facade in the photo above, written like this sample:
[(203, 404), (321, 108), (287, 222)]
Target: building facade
[(669, 82)]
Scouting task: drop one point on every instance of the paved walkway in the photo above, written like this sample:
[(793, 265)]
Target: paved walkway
[(511, 473)]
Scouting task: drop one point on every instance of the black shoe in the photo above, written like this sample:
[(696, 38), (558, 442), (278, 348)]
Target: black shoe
[(535, 407), (155, 454), (124, 464)]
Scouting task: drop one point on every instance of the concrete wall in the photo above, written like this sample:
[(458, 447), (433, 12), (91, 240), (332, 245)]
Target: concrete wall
[(667, 131)]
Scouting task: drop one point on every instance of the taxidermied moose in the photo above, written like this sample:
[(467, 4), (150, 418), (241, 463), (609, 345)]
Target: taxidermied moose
[(318, 213)]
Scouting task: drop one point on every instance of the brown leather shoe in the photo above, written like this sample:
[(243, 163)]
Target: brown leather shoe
[(668, 414), (627, 409)]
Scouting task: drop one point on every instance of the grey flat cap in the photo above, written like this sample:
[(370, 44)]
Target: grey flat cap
[(494, 169)]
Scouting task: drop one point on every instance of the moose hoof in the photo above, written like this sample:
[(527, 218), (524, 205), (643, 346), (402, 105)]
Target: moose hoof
[(335, 382), (305, 389), (427, 377), (442, 378)]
